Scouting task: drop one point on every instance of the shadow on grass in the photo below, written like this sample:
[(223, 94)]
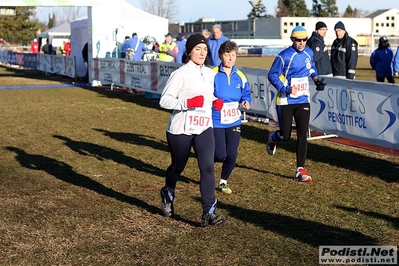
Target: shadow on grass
[(132, 98), (101, 153), (353, 161), (136, 139), (146, 141), (308, 232), (33, 74), (393, 220), (64, 172), (263, 171)]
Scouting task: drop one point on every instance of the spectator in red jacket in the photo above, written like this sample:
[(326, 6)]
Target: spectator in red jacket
[(67, 47), (34, 47)]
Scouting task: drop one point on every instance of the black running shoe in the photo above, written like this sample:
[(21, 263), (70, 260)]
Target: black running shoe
[(167, 196), (212, 219)]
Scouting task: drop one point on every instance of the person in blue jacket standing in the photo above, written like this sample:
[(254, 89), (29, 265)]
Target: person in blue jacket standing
[(232, 90), (382, 60), (137, 46), (214, 43), (181, 44), (396, 63), (289, 74)]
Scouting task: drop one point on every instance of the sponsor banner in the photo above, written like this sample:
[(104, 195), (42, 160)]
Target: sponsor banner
[(263, 94), (3, 56), (70, 66), (138, 75), (19, 59), (44, 63), (30, 61), (58, 64), (11, 58), (163, 73), (358, 110), (369, 255)]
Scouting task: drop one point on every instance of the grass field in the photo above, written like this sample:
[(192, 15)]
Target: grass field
[(81, 170)]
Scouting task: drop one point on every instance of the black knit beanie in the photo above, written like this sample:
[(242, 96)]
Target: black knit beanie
[(193, 40)]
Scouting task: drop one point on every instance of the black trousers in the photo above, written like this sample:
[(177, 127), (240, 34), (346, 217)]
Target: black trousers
[(226, 148), (389, 79), (204, 148), (301, 115)]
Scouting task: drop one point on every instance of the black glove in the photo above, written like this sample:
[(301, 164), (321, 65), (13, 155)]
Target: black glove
[(320, 84)]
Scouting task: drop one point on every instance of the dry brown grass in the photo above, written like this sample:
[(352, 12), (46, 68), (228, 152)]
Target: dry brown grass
[(81, 170)]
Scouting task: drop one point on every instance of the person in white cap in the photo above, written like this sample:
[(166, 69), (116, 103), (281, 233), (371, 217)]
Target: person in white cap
[(34, 47)]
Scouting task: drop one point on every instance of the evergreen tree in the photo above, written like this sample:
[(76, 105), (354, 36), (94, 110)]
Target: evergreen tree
[(51, 21), (352, 13), (316, 9), (292, 8), (258, 9), (324, 8), (22, 27)]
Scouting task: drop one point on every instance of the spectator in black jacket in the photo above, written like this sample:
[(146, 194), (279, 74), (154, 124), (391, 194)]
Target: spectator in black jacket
[(85, 55), (47, 48), (344, 53), (320, 50)]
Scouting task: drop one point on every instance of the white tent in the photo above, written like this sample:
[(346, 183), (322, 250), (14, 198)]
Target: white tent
[(118, 16), (56, 35), (63, 30), (79, 37), (141, 22)]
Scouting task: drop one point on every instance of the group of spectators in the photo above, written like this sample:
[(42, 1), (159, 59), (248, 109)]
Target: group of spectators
[(47, 48), (342, 61), (171, 50)]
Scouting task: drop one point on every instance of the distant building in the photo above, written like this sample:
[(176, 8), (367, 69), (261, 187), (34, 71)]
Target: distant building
[(366, 30)]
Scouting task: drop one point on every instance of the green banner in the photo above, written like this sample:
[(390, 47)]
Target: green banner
[(50, 2)]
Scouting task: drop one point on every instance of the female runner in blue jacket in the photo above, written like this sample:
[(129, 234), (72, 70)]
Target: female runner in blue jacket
[(232, 90)]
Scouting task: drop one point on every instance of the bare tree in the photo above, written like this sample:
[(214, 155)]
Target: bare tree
[(61, 14), (164, 8), (68, 14)]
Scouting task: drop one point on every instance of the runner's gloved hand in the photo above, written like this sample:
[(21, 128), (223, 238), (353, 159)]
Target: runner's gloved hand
[(218, 104), (320, 85), (197, 101)]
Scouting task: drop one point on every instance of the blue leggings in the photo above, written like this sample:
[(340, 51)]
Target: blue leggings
[(226, 148), (204, 146)]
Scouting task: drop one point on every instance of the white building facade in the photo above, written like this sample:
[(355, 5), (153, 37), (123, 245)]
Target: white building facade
[(366, 30)]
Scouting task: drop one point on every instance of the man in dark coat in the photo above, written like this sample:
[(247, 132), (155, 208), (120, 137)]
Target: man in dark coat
[(320, 50), (344, 53)]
